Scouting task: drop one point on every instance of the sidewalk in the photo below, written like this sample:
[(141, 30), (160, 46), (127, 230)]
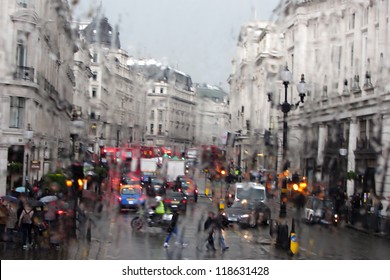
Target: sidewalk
[(360, 228)]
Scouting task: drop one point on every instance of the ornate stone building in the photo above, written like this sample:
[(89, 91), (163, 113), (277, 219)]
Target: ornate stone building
[(170, 106), (341, 132), (36, 88)]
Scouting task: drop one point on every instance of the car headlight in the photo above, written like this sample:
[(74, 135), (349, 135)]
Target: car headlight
[(245, 216)]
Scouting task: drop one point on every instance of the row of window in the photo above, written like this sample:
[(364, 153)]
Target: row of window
[(159, 131)]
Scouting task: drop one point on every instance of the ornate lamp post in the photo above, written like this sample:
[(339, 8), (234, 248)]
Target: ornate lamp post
[(286, 108)]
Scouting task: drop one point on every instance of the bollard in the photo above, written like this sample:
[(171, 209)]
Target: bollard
[(221, 204), (294, 244)]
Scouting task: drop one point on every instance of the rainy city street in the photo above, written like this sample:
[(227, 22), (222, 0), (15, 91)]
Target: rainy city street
[(226, 131)]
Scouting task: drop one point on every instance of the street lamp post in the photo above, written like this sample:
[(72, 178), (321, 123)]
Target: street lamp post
[(286, 108)]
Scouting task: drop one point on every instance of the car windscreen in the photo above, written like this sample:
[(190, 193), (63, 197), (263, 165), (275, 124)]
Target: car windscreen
[(258, 194), (134, 191), (156, 181), (242, 193), (128, 181), (174, 195)]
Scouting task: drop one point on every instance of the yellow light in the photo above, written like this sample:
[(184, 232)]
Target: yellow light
[(80, 182), (302, 185), (295, 187), (223, 172), (69, 183)]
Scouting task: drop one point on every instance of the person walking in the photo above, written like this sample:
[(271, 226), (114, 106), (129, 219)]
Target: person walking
[(25, 224), (172, 229), (220, 225), (209, 225), (11, 221)]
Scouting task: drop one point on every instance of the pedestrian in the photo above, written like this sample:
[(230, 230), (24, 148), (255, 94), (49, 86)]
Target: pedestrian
[(220, 225), (378, 209), (209, 226), (172, 229), (11, 221), (299, 204), (25, 224), (3, 219)]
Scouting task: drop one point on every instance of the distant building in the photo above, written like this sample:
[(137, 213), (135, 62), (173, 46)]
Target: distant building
[(170, 106), (212, 115), (116, 96)]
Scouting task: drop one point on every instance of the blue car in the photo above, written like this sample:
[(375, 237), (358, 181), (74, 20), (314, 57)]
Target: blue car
[(131, 197)]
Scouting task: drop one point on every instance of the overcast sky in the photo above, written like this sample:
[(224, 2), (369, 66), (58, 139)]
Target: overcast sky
[(198, 37)]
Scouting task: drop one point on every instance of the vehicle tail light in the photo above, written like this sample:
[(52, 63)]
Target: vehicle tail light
[(179, 190), (196, 191), (167, 200), (60, 212), (230, 195), (184, 201), (119, 198)]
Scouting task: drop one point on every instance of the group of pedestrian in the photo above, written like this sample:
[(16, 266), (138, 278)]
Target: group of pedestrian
[(213, 228), (17, 216)]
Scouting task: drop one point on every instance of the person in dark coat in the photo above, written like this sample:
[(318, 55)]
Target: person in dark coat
[(172, 229), (221, 223), (209, 225)]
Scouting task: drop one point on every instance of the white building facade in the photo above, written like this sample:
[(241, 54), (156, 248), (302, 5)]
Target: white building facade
[(212, 116), (250, 112), (36, 88), (342, 129)]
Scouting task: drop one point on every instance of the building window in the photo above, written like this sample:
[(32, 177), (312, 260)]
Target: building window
[(95, 57), (363, 129), (352, 21), (23, 3), (21, 50), (94, 76), (242, 109), (17, 112), (151, 128), (160, 129), (152, 115), (93, 128), (365, 15), (161, 90), (94, 92)]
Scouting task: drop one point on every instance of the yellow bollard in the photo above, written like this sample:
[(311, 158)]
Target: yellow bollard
[(221, 204), (294, 245), (207, 191)]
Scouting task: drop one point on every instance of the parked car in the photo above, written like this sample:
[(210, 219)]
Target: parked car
[(320, 210), (175, 201), (187, 186), (131, 196), (247, 212)]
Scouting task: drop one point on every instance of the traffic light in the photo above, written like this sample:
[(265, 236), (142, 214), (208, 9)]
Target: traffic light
[(295, 178), (78, 176)]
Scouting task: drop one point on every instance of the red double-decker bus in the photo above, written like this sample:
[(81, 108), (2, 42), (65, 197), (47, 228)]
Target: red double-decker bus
[(213, 158)]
